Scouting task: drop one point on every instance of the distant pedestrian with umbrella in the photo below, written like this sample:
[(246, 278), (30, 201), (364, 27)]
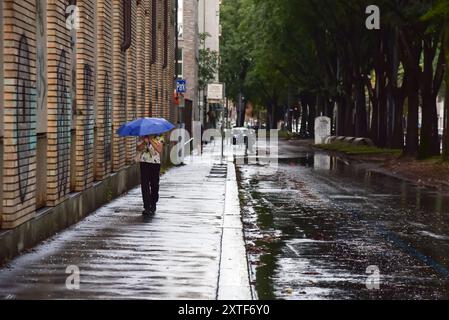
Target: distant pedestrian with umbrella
[(149, 151)]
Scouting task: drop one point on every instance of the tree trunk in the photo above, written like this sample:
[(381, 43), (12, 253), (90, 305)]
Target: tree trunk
[(290, 119), (297, 123), (374, 132), (382, 113), (429, 144), (378, 97), (360, 106), (446, 96), (349, 119), (304, 117), (411, 147), (312, 114), (240, 112), (411, 49), (398, 123), (340, 116), (392, 66), (269, 116), (349, 129), (446, 116), (274, 118)]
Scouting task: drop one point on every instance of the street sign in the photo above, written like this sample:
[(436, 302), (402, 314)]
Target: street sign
[(215, 91), (180, 86)]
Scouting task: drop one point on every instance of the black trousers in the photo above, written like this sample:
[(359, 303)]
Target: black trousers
[(149, 180)]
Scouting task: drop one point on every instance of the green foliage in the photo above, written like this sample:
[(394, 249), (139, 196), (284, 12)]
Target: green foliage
[(288, 135), (348, 148), (249, 50), (439, 13), (208, 63), (320, 52), (234, 51)]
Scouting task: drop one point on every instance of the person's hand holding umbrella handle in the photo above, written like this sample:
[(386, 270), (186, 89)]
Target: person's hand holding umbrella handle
[(156, 145)]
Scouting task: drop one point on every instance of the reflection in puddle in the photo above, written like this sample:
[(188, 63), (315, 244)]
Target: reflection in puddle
[(322, 162)]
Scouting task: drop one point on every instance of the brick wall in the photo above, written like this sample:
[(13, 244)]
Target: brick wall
[(141, 55), (59, 105), (89, 84), (160, 50), (19, 114), (154, 57), (170, 70), (41, 65), (159, 61), (147, 105), (103, 145), (164, 33), (132, 97), (119, 85), (1, 109), (85, 91), (189, 44)]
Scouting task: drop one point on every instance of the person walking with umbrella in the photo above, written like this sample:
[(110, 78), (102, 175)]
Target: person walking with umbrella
[(149, 150)]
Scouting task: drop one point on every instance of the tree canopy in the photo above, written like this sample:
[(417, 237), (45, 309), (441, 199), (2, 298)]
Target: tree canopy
[(320, 54), (208, 63)]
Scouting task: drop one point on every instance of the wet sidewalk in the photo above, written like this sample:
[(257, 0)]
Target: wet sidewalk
[(191, 249)]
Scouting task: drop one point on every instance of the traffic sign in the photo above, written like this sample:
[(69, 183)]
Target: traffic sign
[(180, 86), (215, 91)]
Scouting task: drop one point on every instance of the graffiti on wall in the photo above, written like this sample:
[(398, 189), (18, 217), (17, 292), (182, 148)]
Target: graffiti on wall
[(122, 98), (41, 84), (122, 104), (73, 59), (88, 126), (107, 121), (25, 116), (63, 121)]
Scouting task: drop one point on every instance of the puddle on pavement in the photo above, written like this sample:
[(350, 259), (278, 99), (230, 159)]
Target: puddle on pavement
[(315, 224)]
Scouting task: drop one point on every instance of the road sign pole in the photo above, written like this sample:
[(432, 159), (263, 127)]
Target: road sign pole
[(222, 125)]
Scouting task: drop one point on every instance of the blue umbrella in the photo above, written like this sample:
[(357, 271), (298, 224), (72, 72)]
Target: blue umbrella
[(145, 127)]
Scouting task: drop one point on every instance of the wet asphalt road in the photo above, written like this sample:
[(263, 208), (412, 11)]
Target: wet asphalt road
[(315, 225)]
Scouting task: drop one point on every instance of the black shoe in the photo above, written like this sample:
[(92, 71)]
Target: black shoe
[(146, 212), (153, 209)]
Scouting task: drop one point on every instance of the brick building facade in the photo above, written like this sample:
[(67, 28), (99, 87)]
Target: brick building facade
[(66, 85), (188, 51)]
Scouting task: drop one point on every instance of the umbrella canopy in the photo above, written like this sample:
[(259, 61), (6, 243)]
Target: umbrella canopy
[(145, 127)]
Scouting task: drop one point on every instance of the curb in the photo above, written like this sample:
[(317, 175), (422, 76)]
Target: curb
[(233, 281)]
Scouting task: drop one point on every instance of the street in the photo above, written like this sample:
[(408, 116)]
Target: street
[(315, 226), (224, 150)]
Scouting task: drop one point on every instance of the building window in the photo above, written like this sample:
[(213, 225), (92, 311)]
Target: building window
[(180, 64), (180, 18)]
